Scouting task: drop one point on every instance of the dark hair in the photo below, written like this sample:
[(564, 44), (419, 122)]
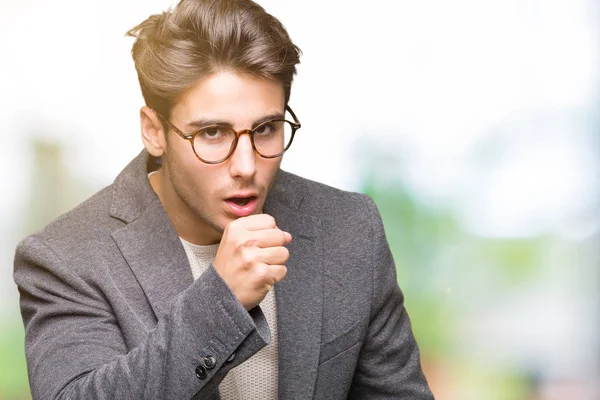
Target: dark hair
[(173, 50)]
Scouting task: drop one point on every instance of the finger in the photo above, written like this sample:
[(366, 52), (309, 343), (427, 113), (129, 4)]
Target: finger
[(287, 237), (278, 272), (273, 255), (254, 222), (271, 237)]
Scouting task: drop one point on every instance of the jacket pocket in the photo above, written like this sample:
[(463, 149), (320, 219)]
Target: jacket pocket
[(340, 343)]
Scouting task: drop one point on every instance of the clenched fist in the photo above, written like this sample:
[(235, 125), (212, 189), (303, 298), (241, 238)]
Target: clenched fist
[(251, 257)]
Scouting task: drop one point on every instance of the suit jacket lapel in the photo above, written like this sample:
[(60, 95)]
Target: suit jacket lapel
[(299, 296), (149, 242), (156, 256)]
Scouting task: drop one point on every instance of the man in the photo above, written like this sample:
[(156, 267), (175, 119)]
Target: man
[(204, 271)]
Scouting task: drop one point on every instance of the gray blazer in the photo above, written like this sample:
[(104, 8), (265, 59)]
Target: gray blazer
[(111, 310)]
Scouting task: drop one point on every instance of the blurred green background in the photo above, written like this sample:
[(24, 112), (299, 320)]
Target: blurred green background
[(474, 125)]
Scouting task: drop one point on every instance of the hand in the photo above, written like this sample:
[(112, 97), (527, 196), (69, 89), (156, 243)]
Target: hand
[(251, 257)]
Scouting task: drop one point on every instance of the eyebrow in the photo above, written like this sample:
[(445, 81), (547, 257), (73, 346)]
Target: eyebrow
[(201, 123)]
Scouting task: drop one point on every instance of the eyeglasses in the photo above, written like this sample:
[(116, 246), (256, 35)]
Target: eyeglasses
[(216, 143)]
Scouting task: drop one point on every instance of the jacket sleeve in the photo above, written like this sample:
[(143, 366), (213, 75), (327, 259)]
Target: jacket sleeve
[(389, 363), (75, 348)]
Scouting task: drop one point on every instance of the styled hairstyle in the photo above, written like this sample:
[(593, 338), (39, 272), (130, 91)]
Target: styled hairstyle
[(173, 50)]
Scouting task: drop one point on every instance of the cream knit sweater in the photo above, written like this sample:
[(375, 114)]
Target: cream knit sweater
[(256, 378)]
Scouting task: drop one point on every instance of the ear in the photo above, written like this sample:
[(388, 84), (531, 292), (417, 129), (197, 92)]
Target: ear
[(153, 134)]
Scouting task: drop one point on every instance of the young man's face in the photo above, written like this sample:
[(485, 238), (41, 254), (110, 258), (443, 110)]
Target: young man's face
[(198, 196)]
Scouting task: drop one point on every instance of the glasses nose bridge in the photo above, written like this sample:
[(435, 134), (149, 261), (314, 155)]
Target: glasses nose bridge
[(243, 131), (238, 134)]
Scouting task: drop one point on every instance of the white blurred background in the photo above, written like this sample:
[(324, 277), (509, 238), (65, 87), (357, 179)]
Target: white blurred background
[(482, 113)]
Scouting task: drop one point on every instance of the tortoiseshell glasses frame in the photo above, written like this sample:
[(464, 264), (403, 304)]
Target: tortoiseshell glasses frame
[(191, 136)]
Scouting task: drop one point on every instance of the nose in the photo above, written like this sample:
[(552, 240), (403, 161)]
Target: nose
[(243, 160)]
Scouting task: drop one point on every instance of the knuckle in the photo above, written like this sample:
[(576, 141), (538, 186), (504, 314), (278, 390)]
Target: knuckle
[(270, 220), (242, 243), (247, 256), (238, 245), (262, 272)]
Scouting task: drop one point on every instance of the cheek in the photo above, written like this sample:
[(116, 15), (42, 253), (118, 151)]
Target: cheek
[(206, 184), (192, 178), (180, 150), (269, 167)]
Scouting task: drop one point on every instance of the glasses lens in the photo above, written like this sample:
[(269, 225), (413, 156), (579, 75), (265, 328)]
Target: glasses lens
[(273, 137), (213, 143)]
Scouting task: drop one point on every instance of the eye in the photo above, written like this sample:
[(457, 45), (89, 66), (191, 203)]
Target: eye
[(211, 133), (265, 129)]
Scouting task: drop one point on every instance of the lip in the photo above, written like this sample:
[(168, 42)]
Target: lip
[(242, 195), (245, 210)]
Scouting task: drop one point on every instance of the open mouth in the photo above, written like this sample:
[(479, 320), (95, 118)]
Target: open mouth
[(241, 201)]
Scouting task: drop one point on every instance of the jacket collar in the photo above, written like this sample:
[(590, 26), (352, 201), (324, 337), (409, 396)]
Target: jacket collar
[(132, 192)]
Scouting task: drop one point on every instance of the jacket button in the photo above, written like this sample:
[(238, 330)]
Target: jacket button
[(209, 361), (201, 372), (230, 358)]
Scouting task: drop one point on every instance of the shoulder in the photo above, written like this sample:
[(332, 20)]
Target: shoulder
[(346, 221), (314, 194), (78, 231), (91, 215), (128, 197), (327, 202)]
